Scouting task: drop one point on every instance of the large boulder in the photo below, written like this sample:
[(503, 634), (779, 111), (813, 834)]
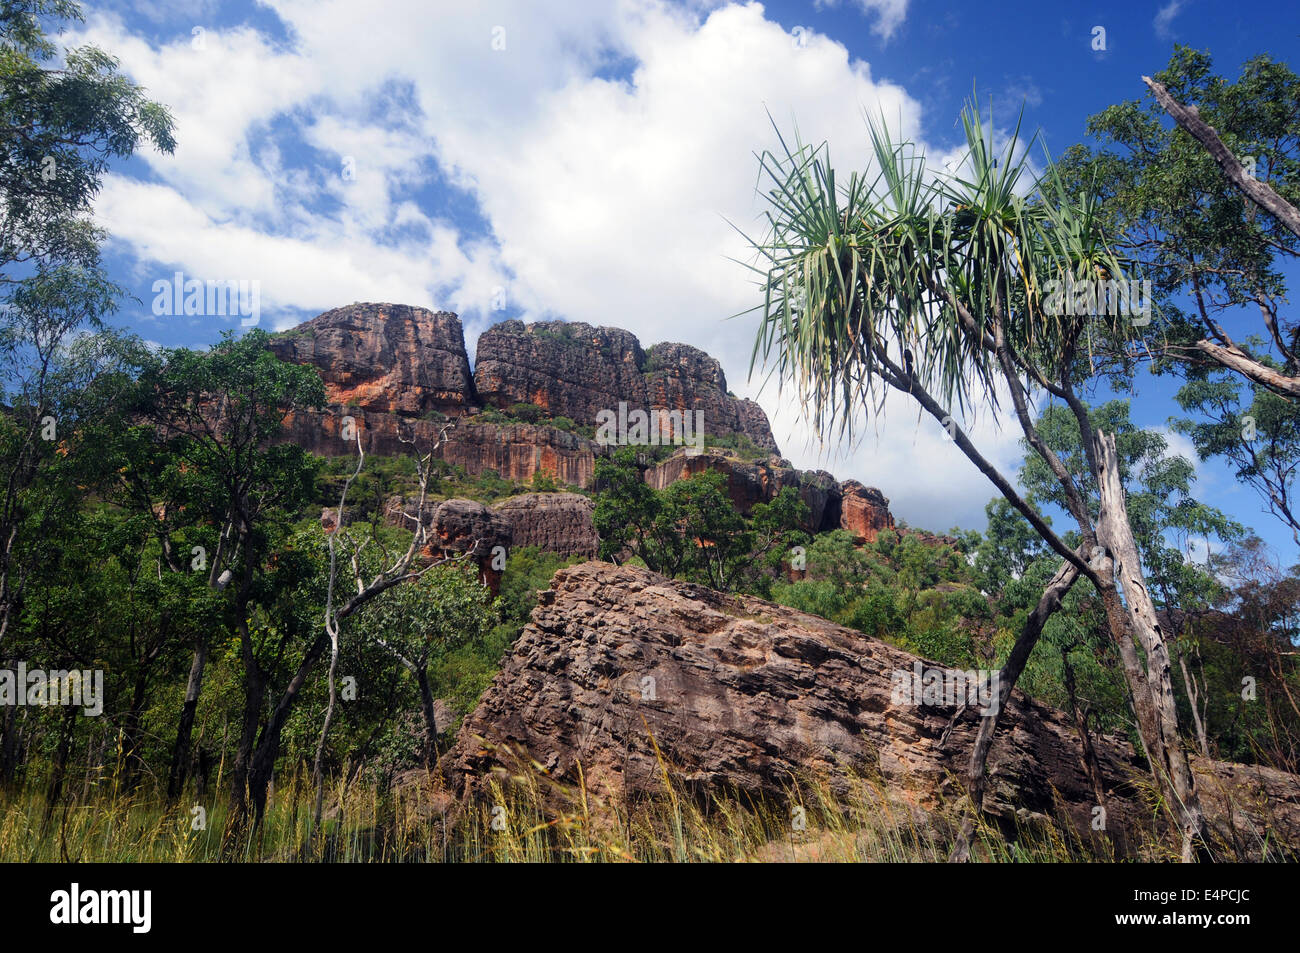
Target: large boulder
[(467, 527), (864, 511), (628, 674)]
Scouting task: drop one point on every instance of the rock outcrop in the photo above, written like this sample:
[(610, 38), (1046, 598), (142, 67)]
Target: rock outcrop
[(464, 526), (385, 358), (575, 370), (394, 374), (620, 666), (864, 511), (554, 522), (757, 482)]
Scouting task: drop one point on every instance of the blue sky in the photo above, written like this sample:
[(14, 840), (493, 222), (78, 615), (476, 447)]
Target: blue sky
[(582, 160)]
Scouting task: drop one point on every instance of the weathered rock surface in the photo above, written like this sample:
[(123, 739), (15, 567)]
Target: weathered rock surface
[(467, 527), (864, 511), (575, 370), (390, 370), (515, 451), (519, 451), (554, 522), (742, 694), (385, 358)]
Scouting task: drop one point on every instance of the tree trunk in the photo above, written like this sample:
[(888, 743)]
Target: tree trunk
[(1091, 766), (185, 727), (61, 755), (1193, 700), (976, 780), (262, 762), (131, 753), (430, 753), (1158, 718), (9, 746)]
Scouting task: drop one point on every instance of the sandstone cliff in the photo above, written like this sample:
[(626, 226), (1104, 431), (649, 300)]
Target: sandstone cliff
[(741, 694), (575, 370), (554, 522), (395, 372), (385, 358)]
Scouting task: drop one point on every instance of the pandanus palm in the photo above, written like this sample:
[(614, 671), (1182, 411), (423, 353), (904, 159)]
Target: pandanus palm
[(939, 285)]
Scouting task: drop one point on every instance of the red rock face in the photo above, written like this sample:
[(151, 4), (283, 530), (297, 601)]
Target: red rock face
[(515, 452), (864, 511), (387, 367), (575, 370), (385, 358)]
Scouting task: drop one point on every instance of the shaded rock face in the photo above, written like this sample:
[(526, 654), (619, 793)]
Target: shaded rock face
[(385, 358), (465, 526), (575, 370), (554, 522), (742, 694), (518, 451), (864, 511)]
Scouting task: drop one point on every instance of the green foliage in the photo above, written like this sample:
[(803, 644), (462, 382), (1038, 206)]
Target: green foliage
[(1225, 258), (692, 529), (528, 413)]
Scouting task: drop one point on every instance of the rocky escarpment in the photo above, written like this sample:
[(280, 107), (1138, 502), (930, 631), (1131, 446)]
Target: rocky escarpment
[(757, 482), (575, 370), (864, 511), (394, 373), (628, 674), (385, 358)]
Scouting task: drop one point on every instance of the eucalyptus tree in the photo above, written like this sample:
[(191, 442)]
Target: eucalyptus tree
[(947, 288), (64, 116), (1207, 204)]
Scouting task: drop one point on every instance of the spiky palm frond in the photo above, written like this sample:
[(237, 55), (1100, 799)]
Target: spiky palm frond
[(911, 258)]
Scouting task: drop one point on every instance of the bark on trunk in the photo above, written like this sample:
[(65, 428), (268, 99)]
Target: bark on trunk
[(1193, 700), (1258, 192), (976, 780), (1158, 717), (185, 727)]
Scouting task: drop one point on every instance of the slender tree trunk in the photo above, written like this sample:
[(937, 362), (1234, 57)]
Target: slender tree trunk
[(262, 761), (1091, 766), (976, 780), (318, 769), (1193, 699), (131, 754), (9, 746), (185, 727), (61, 755), (1158, 721), (254, 693), (430, 753)]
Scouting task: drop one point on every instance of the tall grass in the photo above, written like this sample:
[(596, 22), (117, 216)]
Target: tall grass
[(523, 817)]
